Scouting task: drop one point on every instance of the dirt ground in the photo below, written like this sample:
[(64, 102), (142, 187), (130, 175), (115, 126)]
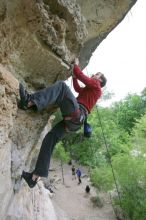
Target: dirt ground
[(70, 200)]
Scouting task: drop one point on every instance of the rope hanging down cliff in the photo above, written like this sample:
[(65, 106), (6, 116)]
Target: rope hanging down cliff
[(105, 143), (110, 161)]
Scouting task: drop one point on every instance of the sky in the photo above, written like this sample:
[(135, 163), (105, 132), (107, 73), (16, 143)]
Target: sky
[(122, 55)]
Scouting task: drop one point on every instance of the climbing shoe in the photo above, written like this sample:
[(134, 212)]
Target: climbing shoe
[(28, 178), (24, 98)]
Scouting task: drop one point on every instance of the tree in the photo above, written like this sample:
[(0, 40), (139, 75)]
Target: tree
[(138, 136), (63, 156), (131, 177), (102, 178), (129, 110)]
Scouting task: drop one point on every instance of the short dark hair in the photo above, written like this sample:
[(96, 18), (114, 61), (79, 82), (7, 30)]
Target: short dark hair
[(104, 80)]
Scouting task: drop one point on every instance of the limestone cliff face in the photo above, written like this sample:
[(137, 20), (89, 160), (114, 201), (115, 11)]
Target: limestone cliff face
[(39, 38)]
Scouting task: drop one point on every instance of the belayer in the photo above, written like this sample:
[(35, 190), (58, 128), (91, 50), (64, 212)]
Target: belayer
[(74, 112)]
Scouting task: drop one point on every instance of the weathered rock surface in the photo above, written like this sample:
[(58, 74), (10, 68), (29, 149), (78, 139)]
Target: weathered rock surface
[(39, 38)]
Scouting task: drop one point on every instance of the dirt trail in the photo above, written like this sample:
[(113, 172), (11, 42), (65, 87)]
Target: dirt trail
[(71, 201)]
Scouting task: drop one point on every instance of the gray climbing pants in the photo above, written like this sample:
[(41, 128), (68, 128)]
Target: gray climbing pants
[(61, 95)]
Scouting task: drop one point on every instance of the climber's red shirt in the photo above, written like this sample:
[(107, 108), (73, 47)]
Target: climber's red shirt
[(89, 94)]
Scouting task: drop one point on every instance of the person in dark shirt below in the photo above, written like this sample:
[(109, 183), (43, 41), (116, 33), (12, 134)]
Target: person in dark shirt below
[(74, 112), (87, 189)]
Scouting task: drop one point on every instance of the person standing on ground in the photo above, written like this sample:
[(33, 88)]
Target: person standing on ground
[(74, 112), (78, 172), (73, 172)]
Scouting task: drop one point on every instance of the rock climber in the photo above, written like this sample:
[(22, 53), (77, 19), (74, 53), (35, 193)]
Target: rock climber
[(74, 112)]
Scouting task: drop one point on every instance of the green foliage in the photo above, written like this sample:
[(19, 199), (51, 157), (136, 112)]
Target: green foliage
[(131, 176), (130, 109), (92, 151), (87, 152), (60, 153), (123, 132), (115, 137), (138, 138), (102, 178), (129, 170)]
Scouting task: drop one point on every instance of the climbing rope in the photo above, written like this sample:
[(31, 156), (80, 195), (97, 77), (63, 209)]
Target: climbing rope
[(105, 143), (113, 173)]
